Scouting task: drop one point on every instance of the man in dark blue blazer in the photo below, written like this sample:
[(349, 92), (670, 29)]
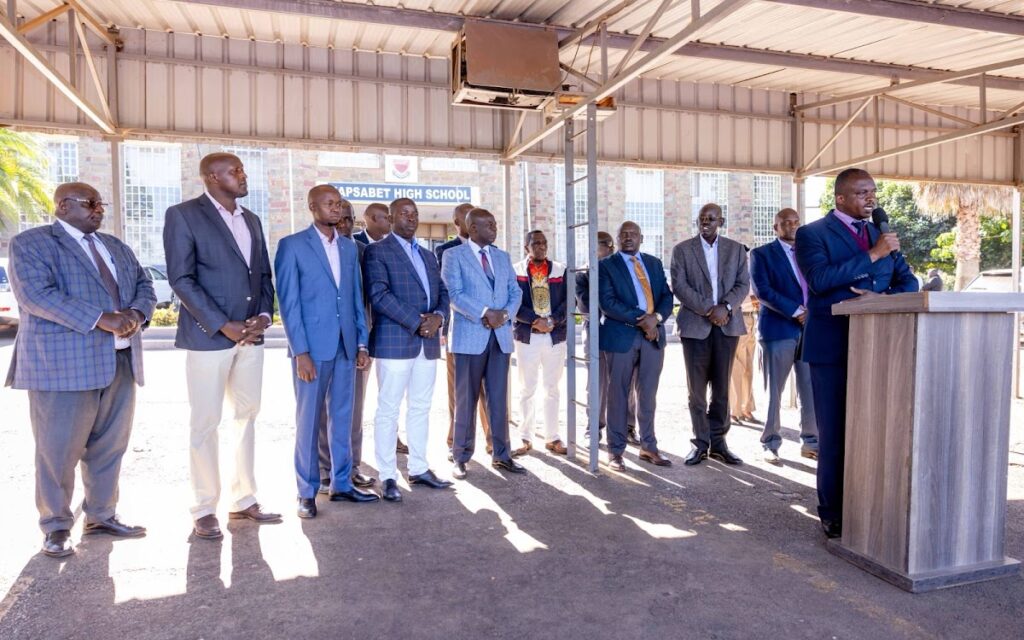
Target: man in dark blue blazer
[(377, 224), (842, 256), (218, 266), (319, 287), (410, 305), (782, 290), (635, 300), (462, 236)]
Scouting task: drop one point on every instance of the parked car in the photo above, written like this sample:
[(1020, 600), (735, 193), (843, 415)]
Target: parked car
[(993, 280), (8, 305), (161, 286)]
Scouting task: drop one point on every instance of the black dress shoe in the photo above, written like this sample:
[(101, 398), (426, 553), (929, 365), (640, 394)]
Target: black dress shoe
[(391, 492), (631, 437), (508, 465), (325, 487), (57, 544), (428, 478), (695, 456), (307, 507), (401, 447), (207, 528), (360, 480), (354, 495), (832, 528), (459, 470), (114, 527), (616, 463), (726, 456)]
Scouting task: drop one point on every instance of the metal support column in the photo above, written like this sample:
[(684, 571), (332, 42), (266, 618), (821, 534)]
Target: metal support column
[(569, 158), (506, 185), (117, 222), (1015, 260), (594, 356)]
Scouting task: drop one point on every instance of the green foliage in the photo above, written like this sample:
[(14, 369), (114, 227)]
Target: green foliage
[(996, 246), (164, 318), (24, 182)]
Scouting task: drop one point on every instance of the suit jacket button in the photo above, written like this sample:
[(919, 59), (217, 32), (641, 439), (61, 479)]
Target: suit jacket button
[(248, 298)]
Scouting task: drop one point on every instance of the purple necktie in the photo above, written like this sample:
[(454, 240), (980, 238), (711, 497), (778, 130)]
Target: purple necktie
[(108, 278), (487, 267)]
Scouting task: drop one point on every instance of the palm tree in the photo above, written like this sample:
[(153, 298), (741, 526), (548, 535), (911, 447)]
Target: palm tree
[(968, 203), (24, 179)]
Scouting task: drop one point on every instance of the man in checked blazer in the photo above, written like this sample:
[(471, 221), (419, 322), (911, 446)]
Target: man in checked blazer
[(410, 305), (84, 299), (485, 298), (710, 278)]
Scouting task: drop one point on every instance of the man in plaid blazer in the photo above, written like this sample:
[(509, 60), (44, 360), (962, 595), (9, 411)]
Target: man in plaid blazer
[(410, 305), (84, 299)]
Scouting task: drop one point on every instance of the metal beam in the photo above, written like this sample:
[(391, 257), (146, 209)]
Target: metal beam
[(923, 144), (916, 11), (591, 27), (648, 28), (10, 33), (691, 31), (838, 132), (43, 18), (927, 109), (93, 23), (90, 65)]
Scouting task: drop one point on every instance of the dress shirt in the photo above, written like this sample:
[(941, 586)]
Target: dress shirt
[(847, 220), (235, 221), (333, 257), (79, 238), (476, 252), (790, 251), (711, 257), (412, 250), (641, 299)]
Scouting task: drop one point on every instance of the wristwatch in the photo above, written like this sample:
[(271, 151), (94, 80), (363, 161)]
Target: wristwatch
[(728, 307), (660, 318)]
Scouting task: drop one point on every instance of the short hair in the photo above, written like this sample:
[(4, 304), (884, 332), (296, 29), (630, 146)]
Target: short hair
[(605, 238), (786, 210), (315, 191), (345, 204), (708, 207), (398, 202), (375, 205), (847, 176), (477, 213), (529, 235), (211, 160)]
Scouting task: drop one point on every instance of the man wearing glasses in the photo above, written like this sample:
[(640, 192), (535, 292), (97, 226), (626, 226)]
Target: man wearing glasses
[(84, 299)]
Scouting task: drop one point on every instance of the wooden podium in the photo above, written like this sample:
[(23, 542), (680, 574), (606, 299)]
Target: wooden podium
[(927, 437)]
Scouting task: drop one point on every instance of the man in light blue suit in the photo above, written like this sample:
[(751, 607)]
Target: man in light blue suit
[(485, 296), (84, 299), (319, 288)]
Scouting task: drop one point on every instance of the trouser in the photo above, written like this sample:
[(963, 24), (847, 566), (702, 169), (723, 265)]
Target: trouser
[(708, 363), (91, 427), (323, 443), (539, 362), (603, 386), (741, 380), (238, 372), (779, 360), (411, 379), (489, 370), (485, 421), (331, 393), (829, 384), (643, 361)]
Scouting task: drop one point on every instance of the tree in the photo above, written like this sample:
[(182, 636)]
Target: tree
[(969, 203), (24, 180)]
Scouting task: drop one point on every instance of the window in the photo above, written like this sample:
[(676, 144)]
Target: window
[(63, 158), (152, 183), (645, 205), (349, 160), (705, 187), (254, 161), (767, 202), (580, 207)]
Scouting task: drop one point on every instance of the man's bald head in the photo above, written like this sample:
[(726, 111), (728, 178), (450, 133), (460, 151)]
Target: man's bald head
[(787, 221), (321, 189), (459, 214), (224, 177), (79, 205), (377, 220), (72, 190)]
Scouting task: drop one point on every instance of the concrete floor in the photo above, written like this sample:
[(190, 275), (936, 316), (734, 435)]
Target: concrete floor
[(705, 552)]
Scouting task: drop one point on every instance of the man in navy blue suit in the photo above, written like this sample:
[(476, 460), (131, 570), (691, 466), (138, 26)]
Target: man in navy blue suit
[(842, 256), (319, 287), (377, 224), (782, 291), (410, 305), (635, 300)]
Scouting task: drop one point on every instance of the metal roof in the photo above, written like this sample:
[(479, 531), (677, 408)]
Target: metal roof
[(787, 45)]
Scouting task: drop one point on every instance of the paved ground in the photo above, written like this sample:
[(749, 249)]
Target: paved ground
[(707, 552)]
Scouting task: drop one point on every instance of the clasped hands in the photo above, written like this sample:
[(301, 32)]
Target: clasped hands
[(718, 315), (648, 323), (123, 324), (492, 319), (246, 332), (430, 324), (543, 325)]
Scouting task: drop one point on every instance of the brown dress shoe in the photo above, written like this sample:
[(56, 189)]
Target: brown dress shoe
[(401, 447), (615, 462), (255, 513), (523, 450), (207, 528), (557, 448), (654, 458)]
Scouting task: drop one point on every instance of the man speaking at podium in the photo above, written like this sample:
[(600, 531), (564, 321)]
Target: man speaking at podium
[(842, 256)]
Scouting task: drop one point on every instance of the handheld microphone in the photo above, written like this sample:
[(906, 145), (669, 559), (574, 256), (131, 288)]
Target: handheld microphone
[(881, 220)]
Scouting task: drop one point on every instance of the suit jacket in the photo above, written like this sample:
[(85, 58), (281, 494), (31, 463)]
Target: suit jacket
[(397, 298), (450, 244), (691, 283), (831, 263), (470, 292), (364, 237), (776, 286), (559, 303), (209, 275), (61, 297), (620, 305), (318, 315)]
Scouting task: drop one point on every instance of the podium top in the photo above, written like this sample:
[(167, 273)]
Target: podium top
[(933, 302)]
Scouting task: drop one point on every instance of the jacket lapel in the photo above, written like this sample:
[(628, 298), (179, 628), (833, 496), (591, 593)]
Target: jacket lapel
[(218, 223), (78, 251), (619, 264), (399, 248), (316, 245), (783, 260), (698, 255), (840, 229)]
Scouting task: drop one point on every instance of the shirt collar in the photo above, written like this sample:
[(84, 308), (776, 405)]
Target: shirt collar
[(846, 219), (324, 238), (629, 258), (786, 246), (407, 244), (73, 232), (708, 247), (476, 248), (221, 209)]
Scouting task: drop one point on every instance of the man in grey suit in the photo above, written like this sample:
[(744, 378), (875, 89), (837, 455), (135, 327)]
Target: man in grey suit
[(710, 278), (84, 299), (218, 266)]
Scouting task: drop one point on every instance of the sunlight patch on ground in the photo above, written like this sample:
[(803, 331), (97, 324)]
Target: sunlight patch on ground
[(660, 531), (731, 526), (140, 574), (287, 551), (476, 500)]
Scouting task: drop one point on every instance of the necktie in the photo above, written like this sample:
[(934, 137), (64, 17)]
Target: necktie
[(645, 284), (109, 282), (487, 267), (860, 224)]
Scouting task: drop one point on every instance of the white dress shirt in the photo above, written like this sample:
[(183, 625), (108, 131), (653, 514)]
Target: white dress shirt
[(79, 238), (330, 246), (711, 257), (235, 221), (790, 251)]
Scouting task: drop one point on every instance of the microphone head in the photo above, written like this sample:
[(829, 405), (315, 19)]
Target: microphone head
[(879, 216)]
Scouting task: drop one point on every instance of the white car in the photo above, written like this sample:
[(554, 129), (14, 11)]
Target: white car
[(161, 286), (8, 305)]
